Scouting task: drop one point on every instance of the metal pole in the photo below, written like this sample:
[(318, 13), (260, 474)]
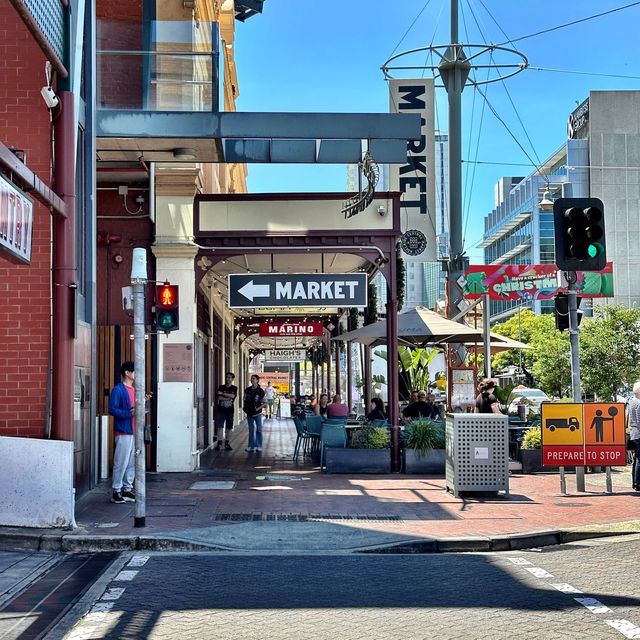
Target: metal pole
[(575, 355), (139, 281), (486, 335)]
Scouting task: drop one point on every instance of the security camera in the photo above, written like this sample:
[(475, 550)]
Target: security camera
[(50, 98), (382, 210)]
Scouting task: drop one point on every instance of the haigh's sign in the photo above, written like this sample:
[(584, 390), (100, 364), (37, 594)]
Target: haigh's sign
[(16, 221), (279, 329), (578, 124), (532, 282)]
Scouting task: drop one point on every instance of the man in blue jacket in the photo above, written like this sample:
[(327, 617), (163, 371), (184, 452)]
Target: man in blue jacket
[(122, 408)]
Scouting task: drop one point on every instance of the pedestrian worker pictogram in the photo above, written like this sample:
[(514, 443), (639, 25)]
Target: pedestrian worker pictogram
[(575, 434)]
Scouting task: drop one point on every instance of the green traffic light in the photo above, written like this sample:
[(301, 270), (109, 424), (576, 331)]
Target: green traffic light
[(167, 320), (592, 250)]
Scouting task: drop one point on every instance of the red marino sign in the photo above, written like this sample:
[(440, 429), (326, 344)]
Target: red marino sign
[(279, 329)]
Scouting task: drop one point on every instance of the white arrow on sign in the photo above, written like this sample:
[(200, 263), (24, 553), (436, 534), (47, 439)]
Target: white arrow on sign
[(251, 290)]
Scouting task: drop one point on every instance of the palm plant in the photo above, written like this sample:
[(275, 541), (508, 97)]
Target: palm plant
[(413, 365)]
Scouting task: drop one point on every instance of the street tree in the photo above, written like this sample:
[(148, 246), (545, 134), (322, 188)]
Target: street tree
[(610, 350)]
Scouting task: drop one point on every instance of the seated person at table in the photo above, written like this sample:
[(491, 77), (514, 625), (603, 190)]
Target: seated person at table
[(336, 409), (321, 408), (377, 410), (421, 408)]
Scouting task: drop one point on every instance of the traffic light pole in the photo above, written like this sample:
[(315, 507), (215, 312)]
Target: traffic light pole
[(575, 355), (139, 281)]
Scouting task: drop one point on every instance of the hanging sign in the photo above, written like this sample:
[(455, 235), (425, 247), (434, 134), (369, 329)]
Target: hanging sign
[(284, 355), (303, 289), (16, 221), (416, 178), (279, 329)]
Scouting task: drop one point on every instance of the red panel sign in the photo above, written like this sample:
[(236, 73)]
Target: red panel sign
[(613, 456), (532, 282), (563, 456), (279, 329)]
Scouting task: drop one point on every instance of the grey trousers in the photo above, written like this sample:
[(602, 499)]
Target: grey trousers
[(124, 463)]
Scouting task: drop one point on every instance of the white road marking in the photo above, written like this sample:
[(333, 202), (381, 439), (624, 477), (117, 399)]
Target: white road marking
[(113, 593), (626, 628), (538, 572), (125, 576), (595, 606), (138, 561), (566, 588), (102, 607), (519, 561)]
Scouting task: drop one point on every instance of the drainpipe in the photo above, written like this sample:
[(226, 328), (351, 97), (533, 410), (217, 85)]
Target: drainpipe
[(64, 271)]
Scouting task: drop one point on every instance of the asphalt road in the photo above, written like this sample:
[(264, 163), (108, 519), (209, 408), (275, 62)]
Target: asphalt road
[(581, 590)]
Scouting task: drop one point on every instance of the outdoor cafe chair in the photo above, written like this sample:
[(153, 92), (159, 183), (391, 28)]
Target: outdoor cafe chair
[(314, 427), (335, 436), (303, 437), (336, 421)]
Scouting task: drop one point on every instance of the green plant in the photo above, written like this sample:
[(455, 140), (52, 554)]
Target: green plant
[(424, 434), (532, 438), (370, 437), (413, 365)]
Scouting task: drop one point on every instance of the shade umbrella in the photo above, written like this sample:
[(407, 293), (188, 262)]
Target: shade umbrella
[(500, 343), (418, 327)]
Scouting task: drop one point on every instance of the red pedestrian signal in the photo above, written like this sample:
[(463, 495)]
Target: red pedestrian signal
[(167, 307)]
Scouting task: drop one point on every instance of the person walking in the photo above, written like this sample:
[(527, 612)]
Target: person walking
[(486, 401), (634, 434), (270, 397), (252, 404), (227, 394), (122, 406)]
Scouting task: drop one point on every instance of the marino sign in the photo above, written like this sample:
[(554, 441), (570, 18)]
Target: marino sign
[(278, 329), (315, 290)]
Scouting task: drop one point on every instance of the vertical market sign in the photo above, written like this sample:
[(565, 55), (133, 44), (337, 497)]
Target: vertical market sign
[(16, 221), (416, 178)]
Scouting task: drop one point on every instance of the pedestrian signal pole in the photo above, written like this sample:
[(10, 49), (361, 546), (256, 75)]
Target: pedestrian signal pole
[(139, 281), (574, 333)]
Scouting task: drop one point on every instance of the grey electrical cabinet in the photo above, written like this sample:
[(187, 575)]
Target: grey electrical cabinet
[(477, 452)]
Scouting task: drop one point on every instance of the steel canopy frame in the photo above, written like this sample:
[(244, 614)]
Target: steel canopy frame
[(377, 246)]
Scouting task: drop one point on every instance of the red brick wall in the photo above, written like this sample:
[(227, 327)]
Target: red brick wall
[(24, 288)]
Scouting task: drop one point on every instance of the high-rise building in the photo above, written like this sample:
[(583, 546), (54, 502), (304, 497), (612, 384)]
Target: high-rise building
[(600, 158)]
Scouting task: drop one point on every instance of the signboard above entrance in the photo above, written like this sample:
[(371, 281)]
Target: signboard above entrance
[(306, 289), (279, 329), (284, 355)]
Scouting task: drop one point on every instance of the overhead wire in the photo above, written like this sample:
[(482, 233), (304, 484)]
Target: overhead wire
[(585, 73), (409, 28), (570, 24)]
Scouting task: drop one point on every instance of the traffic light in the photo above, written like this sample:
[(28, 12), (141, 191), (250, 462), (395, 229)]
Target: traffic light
[(561, 311), (167, 307), (579, 234)]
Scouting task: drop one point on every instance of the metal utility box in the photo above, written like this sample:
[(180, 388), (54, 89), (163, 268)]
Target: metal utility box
[(477, 452)]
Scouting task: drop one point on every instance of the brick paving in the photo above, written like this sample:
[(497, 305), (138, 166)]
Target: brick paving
[(271, 486)]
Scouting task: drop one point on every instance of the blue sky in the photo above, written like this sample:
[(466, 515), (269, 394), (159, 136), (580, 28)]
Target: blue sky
[(326, 56)]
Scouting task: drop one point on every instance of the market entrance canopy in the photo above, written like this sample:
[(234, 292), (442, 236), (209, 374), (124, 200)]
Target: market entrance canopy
[(418, 327)]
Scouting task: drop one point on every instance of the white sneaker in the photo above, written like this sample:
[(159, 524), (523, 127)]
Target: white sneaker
[(249, 449), (258, 448)]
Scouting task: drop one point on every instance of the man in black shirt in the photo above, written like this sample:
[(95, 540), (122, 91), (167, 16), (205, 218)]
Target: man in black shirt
[(226, 395), (420, 409), (252, 404)]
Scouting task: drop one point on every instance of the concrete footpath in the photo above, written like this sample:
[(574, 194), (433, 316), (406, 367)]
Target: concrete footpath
[(271, 506)]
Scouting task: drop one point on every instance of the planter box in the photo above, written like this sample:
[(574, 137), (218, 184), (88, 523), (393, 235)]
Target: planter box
[(339, 460), (532, 462), (433, 461)]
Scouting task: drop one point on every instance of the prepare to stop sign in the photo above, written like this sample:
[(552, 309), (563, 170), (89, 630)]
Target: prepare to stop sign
[(577, 434)]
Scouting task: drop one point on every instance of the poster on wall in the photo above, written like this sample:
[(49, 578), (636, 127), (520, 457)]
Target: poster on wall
[(416, 178), (177, 363), (532, 282), (16, 221)]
